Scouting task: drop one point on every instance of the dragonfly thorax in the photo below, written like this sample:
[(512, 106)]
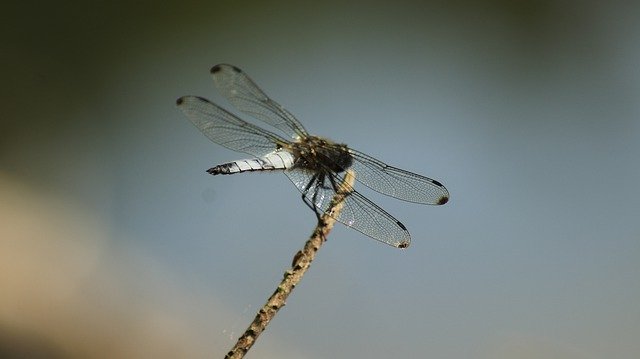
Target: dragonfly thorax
[(321, 155)]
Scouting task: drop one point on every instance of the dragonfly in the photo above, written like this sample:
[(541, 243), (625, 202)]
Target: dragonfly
[(316, 165)]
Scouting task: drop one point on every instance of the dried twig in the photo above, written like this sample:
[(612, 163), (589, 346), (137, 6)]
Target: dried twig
[(301, 262)]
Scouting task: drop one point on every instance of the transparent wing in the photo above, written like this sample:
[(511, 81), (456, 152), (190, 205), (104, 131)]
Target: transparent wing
[(247, 97), (396, 182), (358, 212), (226, 129)]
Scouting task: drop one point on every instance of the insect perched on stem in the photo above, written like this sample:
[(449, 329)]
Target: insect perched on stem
[(315, 165)]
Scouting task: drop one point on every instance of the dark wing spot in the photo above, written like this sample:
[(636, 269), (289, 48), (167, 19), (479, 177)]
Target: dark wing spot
[(218, 68), (401, 225), (403, 244), (443, 200), (179, 101), (437, 183)]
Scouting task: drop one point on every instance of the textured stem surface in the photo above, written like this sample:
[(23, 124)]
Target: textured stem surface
[(301, 262)]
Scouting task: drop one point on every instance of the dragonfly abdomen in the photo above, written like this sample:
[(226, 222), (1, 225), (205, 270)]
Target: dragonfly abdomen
[(278, 160)]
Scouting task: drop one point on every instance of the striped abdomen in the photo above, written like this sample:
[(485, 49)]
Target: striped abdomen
[(278, 160)]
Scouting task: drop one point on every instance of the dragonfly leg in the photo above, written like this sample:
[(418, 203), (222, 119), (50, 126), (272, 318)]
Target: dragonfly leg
[(334, 185), (311, 203)]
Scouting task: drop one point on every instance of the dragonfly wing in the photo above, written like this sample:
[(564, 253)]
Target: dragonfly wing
[(228, 130), (396, 182), (358, 212), (247, 97)]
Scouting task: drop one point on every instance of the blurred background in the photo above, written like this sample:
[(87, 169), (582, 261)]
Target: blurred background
[(114, 242)]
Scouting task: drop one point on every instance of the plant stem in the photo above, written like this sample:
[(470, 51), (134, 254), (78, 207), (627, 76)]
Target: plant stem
[(301, 262)]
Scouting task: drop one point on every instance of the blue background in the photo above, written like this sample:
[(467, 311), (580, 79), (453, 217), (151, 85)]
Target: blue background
[(115, 242)]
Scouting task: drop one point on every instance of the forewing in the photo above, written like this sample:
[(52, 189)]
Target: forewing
[(396, 182), (247, 97), (358, 212), (226, 129)]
